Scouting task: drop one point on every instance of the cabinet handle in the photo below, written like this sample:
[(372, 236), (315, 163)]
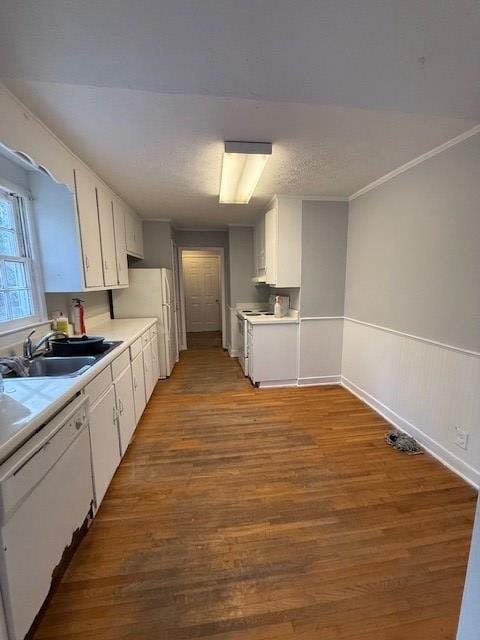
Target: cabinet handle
[(105, 264), (87, 262), (114, 415), (120, 404), (135, 385)]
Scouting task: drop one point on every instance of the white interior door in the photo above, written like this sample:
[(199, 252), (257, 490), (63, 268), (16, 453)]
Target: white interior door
[(202, 292)]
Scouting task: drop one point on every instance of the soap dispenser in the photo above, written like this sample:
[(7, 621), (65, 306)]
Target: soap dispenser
[(277, 309)]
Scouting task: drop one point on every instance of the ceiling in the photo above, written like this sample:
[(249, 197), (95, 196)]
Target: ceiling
[(146, 92)]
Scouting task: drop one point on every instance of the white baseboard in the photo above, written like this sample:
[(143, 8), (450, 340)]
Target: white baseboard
[(277, 383), (319, 380), (455, 464), (233, 353)]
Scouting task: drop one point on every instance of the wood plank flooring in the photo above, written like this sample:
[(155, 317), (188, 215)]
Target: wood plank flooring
[(248, 514), (204, 339)]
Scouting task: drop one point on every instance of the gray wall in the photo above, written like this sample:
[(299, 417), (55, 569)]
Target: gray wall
[(157, 246), (413, 260), (324, 248), (242, 288)]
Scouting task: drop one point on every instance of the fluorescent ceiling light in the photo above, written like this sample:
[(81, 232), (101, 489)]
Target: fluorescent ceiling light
[(243, 164)]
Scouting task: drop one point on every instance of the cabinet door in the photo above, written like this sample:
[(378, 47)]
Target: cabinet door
[(104, 441), (260, 246), (148, 369), (125, 408), (120, 243), (251, 357), (271, 225), (155, 361), (273, 355), (89, 228), (138, 378), (132, 233), (139, 236), (107, 236)]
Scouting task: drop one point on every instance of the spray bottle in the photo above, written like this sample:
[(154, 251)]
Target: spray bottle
[(277, 309), (78, 317)]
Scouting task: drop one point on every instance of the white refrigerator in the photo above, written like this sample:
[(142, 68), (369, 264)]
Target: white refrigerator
[(150, 294)]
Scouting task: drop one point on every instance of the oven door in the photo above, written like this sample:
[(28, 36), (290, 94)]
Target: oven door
[(242, 342)]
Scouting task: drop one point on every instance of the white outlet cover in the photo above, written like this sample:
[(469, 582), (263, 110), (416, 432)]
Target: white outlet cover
[(461, 438)]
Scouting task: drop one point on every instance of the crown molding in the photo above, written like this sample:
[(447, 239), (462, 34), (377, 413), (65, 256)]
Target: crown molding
[(413, 163)]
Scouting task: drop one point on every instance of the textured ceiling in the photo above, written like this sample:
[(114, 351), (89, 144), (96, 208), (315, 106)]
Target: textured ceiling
[(146, 92)]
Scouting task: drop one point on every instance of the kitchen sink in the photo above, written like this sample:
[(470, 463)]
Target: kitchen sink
[(49, 366), (46, 365)]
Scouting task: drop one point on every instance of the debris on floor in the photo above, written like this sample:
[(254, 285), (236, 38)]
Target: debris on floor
[(402, 442)]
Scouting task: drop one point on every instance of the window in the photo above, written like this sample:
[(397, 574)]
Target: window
[(19, 302)]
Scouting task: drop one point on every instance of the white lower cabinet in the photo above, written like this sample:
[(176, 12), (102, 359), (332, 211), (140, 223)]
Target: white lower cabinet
[(105, 442), (155, 360), (273, 353), (138, 378), (148, 369), (125, 408)]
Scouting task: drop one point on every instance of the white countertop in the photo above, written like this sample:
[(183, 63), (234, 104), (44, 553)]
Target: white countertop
[(272, 320), (29, 402), (291, 318)]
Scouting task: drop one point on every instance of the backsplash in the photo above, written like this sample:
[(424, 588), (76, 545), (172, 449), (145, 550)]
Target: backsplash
[(12, 343), (96, 310), (95, 303), (292, 292)]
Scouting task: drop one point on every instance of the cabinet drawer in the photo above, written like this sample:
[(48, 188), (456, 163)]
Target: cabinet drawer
[(145, 338), (98, 385), (135, 348), (120, 364)]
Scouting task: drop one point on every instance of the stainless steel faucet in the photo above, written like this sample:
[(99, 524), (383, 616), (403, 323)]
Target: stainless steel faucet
[(29, 349)]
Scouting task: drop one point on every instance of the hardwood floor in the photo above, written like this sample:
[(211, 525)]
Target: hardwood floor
[(204, 339), (248, 514)]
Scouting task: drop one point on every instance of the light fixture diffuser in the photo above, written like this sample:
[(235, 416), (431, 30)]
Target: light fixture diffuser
[(242, 166)]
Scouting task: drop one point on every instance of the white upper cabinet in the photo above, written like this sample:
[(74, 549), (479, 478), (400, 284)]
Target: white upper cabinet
[(83, 241), (283, 242), (259, 250), (87, 211), (120, 243), (22, 133), (77, 234), (107, 235), (134, 234)]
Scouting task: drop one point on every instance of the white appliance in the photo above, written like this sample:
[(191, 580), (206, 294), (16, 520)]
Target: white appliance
[(46, 494), (151, 294), (242, 315)]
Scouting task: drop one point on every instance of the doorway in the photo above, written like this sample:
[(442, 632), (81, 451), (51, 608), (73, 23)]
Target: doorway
[(202, 296)]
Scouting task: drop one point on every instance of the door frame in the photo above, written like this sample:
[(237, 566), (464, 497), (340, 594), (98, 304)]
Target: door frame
[(217, 251)]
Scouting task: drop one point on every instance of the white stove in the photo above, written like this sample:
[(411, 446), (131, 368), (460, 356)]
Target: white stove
[(242, 317)]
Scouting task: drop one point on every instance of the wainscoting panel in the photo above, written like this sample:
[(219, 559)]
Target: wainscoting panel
[(424, 388), (320, 351)]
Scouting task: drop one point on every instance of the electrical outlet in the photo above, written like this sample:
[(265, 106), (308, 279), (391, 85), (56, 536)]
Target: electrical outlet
[(461, 438)]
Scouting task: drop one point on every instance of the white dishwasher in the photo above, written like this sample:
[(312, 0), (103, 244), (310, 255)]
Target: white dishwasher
[(46, 493)]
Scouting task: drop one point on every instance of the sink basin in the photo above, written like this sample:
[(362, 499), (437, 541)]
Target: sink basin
[(54, 367)]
